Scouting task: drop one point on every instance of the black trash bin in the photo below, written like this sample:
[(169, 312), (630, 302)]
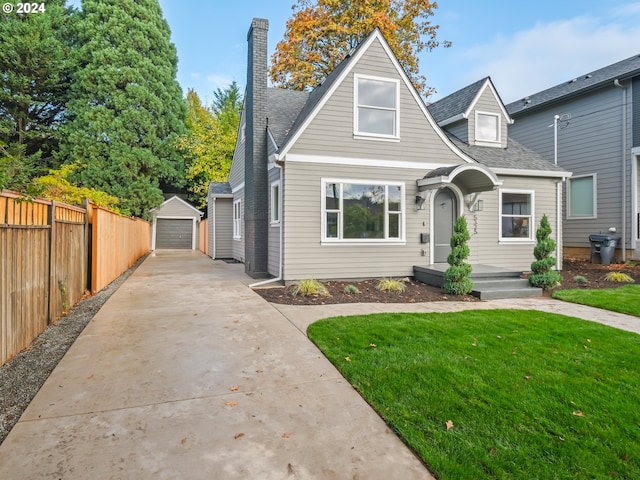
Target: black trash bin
[(603, 245)]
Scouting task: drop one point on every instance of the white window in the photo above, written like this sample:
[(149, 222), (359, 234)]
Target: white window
[(516, 215), (275, 203), (377, 110), (362, 211), (487, 127), (581, 196), (237, 219), (243, 131)]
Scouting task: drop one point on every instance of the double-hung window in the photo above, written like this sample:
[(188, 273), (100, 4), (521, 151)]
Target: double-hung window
[(581, 195), (377, 111), (362, 211), (237, 219), (516, 215), (275, 203)]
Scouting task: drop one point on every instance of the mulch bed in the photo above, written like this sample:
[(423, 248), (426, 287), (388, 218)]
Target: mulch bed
[(419, 292)]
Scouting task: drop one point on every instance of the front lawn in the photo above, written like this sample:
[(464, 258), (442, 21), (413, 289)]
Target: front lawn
[(507, 394), (625, 299)]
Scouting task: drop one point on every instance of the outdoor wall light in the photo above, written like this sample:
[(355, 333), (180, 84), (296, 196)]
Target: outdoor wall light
[(476, 207), (420, 202)]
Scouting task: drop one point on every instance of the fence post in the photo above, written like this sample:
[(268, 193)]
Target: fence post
[(51, 220)]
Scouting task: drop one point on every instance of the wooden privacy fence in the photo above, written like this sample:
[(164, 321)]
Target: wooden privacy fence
[(203, 236), (50, 254)]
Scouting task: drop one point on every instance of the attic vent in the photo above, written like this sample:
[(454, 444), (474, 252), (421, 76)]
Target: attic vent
[(526, 100), (588, 76), (573, 81)]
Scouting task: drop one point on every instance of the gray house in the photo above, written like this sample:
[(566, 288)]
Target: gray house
[(590, 125), (359, 179)]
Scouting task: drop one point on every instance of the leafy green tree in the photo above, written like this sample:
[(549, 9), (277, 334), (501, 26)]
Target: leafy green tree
[(210, 141), (456, 277), (543, 275), (126, 106), (35, 68), (322, 32)]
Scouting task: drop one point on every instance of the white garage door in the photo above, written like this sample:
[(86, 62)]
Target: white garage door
[(174, 233)]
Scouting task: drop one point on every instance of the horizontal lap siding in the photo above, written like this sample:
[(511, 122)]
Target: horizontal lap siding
[(274, 230), (306, 257), (590, 143), (238, 243), (331, 132), (485, 246), (176, 208), (223, 228), (487, 104)]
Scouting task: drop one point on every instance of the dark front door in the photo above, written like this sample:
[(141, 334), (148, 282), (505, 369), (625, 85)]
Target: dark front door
[(445, 214)]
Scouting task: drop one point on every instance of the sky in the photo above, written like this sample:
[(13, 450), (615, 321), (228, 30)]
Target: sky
[(524, 46)]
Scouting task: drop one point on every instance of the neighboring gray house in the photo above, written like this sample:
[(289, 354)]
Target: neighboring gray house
[(596, 135), (174, 225), (220, 224), (356, 179)]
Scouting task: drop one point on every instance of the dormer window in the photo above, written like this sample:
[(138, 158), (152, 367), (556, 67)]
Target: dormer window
[(376, 107), (487, 127)]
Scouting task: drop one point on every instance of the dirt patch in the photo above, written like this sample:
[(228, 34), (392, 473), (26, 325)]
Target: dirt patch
[(416, 292)]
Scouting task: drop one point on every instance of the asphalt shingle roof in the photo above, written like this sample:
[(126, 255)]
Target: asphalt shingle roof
[(219, 188), (283, 107), (621, 70), (456, 103)]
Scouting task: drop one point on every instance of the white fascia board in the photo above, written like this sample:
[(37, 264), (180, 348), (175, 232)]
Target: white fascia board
[(364, 162), (489, 84), (516, 172), (237, 188), (454, 119)]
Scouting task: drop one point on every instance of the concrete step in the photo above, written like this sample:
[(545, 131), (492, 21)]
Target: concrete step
[(497, 293), (494, 283)]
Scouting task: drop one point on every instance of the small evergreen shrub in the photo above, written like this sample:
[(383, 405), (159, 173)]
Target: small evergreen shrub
[(351, 290), (543, 275), (619, 277), (391, 285), (580, 279), (309, 287), (456, 277)]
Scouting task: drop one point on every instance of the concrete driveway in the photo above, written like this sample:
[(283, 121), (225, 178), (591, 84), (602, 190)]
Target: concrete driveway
[(186, 373)]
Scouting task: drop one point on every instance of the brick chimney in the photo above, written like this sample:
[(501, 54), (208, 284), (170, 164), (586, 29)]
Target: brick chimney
[(256, 192)]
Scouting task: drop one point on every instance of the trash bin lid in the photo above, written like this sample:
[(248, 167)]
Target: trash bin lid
[(603, 237)]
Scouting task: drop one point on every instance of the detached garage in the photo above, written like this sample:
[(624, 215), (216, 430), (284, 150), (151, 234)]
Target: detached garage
[(175, 225)]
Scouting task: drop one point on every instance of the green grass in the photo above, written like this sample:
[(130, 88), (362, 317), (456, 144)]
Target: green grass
[(531, 395), (625, 299)]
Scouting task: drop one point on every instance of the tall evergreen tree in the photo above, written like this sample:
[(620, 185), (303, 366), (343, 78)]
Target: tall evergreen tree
[(126, 105), (35, 68)]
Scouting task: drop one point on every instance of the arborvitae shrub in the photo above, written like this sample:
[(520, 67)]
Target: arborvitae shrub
[(456, 278)]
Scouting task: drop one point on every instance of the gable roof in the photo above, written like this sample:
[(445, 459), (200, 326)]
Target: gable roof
[(174, 199), (320, 95), (460, 104), (622, 70)]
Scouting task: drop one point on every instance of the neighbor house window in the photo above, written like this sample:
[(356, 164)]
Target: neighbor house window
[(487, 127), (376, 107), (275, 202), (581, 194), (237, 219), (516, 215), (363, 211)]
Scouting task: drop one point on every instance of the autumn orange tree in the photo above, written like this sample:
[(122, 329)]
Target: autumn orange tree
[(322, 32)]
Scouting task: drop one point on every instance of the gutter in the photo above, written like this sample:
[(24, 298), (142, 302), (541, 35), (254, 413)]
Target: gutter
[(623, 245)]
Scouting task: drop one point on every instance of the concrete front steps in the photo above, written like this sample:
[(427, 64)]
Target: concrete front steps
[(489, 283)]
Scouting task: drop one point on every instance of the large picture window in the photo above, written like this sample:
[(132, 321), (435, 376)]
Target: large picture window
[(237, 219), (376, 105), (581, 194), (363, 211), (516, 215)]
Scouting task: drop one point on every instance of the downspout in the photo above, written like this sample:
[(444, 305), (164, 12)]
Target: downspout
[(281, 254), (559, 245), (616, 82)]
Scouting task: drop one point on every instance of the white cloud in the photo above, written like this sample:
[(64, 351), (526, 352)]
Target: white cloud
[(551, 53)]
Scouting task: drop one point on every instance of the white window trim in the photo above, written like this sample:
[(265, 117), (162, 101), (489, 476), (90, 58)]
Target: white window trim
[(243, 132), (481, 141), (595, 197), (532, 224), (357, 134), (360, 241), (272, 219), (237, 220)]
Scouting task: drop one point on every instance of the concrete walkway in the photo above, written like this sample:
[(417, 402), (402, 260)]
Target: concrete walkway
[(185, 373)]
